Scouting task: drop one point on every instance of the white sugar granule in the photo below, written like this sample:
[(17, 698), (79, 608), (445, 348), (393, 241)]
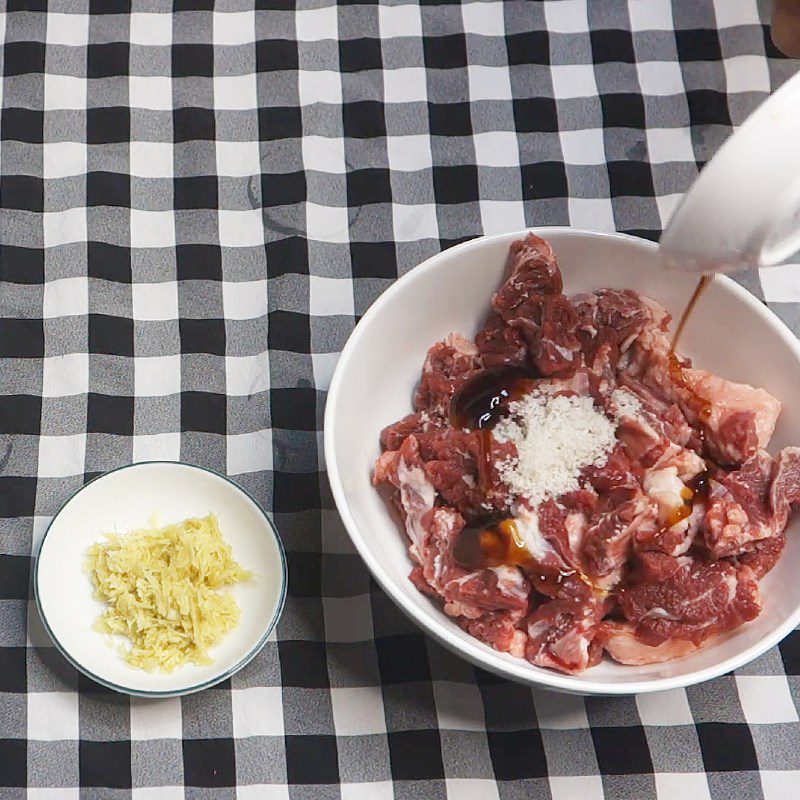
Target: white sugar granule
[(556, 438)]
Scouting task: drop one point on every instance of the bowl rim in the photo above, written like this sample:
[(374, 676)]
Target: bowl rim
[(477, 652), (214, 680)]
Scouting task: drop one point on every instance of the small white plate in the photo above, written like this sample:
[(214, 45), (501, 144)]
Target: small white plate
[(126, 499)]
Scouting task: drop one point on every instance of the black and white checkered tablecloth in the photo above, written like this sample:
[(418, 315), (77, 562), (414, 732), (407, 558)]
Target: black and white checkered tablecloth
[(197, 203)]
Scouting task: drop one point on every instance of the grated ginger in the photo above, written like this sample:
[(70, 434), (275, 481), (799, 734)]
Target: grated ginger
[(161, 586)]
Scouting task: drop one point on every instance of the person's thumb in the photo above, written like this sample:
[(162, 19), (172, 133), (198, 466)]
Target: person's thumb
[(786, 27)]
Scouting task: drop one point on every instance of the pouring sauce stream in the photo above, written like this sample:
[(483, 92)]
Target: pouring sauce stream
[(699, 289)]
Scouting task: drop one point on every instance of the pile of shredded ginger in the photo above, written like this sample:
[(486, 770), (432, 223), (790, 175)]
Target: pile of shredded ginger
[(162, 588)]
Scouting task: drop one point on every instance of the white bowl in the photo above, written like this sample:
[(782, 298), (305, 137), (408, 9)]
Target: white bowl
[(730, 333), (127, 499)]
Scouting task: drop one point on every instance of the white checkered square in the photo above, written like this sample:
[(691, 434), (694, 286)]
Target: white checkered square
[(780, 785), (405, 85), (664, 708), (151, 29), (561, 712), (584, 146), (323, 365), (157, 447), (766, 699), (152, 92), (319, 86), (257, 711), (669, 144), (238, 159), (502, 216), (780, 284), (62, 92), (64, 227), (570, 787), (330, 296), (324, 154), (358, 711), (660, 78), (472, 789), (414, 222), (68, 29), (247, 375), (156, 719), (62, 456), (65, 375), (409, 153), (496, 149), (235, 92), (241, 228), (66, 297), (155, 301), (157, 376), (489, 83), (249, 452), (234, 27), (654, 15), (730, 15), (692, 785), (483, 18), (592, 213), (245, 299), (63, 159), (152, 228), (400, 20), (746, 73), (151, 159), (573, 80), (157, 793), (666, 204), (315, 24), (327, 223), (53, 716), (566, 16)]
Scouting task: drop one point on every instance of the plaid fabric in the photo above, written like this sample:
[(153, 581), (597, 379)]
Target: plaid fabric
[(196, 208)]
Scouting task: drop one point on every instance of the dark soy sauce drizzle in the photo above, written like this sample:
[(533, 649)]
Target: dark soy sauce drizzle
[(675, 366), (500, 544), (495, 546), (699, 289), (478, 406), (484, 399)]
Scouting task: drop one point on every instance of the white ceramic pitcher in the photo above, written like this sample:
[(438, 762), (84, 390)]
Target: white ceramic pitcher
[(743, 210)]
